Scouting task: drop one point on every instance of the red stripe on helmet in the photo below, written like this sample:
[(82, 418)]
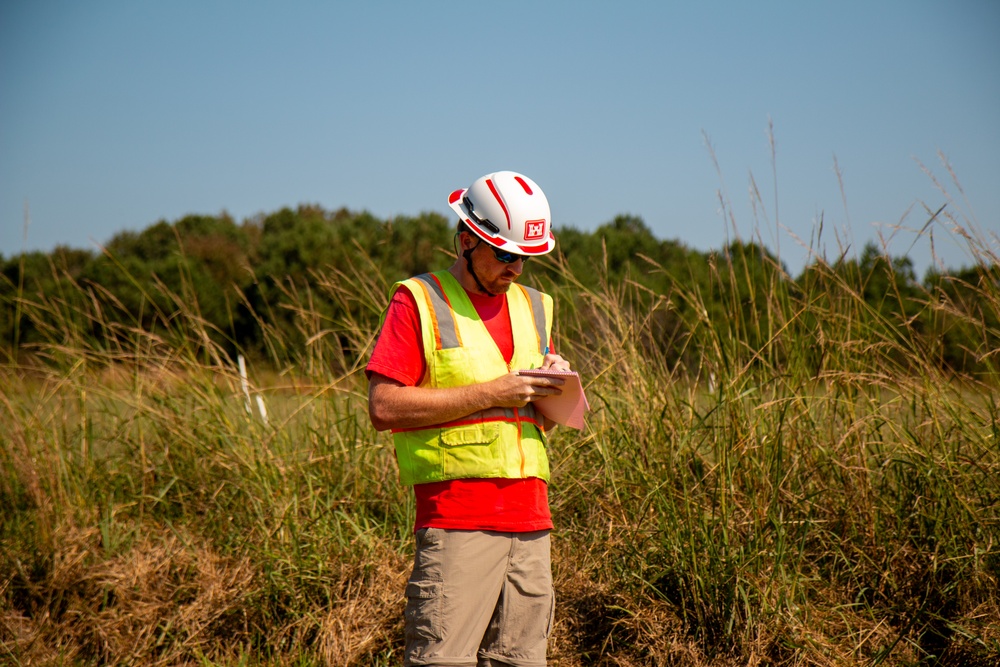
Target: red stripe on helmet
[(493, 189), (531, 249), (527, 188), (455, 196), (486, 236), (535, 249)]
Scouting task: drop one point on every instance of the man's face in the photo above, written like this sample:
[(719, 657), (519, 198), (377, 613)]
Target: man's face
[(495, 276)]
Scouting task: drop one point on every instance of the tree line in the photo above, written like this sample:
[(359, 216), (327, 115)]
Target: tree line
[(272, 277)]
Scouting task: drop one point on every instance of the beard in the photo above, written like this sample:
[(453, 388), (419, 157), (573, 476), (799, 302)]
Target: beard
[(496, 282), (491, 276), (499, 286)]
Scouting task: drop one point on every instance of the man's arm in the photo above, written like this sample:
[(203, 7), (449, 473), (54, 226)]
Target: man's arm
[(391, 404)]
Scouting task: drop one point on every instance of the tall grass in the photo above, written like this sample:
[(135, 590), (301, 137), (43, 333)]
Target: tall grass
[(828, 496), (800, 484)]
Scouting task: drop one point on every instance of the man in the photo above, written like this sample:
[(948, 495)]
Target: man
[(443, 376)]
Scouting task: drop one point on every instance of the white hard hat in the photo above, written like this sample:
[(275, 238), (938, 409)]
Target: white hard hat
[(507, 210)]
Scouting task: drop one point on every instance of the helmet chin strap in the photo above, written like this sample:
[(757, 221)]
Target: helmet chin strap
[(467, 254)]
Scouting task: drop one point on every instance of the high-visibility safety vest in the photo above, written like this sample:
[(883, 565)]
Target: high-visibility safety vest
[(459, 351)]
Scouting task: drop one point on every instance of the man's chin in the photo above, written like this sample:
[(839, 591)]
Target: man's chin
[(502, 287), (498, 285)]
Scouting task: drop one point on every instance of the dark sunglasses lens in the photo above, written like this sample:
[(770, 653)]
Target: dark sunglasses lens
[(508, 257)]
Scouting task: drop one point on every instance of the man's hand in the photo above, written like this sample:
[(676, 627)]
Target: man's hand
[(394, 405), (516, 391), (554, 362)]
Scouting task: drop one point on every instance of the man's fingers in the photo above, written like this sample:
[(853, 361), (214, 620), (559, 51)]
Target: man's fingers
[(543, 381), (522, 389), (554, 362), (541, 387)]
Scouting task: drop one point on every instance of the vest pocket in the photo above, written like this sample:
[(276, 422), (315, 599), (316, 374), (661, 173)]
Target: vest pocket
[(472, 450), (453, 367)]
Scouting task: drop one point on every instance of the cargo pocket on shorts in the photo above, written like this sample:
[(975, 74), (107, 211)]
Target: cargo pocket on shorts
[(423, 611)]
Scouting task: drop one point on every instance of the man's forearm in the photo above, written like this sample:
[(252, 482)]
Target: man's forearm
[(396, 406)]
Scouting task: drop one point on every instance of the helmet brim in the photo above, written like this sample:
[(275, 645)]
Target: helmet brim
[(455, 201)]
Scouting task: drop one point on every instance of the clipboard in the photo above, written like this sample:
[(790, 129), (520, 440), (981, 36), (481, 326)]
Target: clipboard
[(567, 408)]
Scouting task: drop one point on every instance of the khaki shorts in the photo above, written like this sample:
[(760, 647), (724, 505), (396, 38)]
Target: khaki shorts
[(477, 596)]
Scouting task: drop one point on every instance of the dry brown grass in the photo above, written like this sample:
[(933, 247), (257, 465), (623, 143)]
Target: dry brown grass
[(125, 609), (171, 600)]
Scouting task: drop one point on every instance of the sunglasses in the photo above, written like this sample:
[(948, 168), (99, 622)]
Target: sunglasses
[(503, 256), (508, 257)]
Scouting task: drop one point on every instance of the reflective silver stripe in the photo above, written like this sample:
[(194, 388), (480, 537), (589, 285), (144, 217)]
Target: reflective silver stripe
[(493, 413), (527, 413), (530, 412), (490, 414), (447, 329), (538, 311)]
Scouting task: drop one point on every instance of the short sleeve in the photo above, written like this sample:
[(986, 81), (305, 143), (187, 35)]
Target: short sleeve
[(399, 350)]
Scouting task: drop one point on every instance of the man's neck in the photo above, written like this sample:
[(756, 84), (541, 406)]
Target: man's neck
[(464, 278)]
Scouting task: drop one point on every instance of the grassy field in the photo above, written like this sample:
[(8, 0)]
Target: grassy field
[(826, 497)]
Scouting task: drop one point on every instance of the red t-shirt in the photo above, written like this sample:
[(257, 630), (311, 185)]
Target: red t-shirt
[(507, 505)]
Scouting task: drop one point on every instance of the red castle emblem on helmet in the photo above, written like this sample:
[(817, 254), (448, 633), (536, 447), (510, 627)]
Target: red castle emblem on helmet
[(534, 230)]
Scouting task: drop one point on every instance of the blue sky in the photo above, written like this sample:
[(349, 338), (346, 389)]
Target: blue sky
[(114, 115)]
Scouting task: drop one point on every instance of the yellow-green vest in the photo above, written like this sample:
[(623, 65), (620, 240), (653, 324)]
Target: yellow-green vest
[(459, 351)]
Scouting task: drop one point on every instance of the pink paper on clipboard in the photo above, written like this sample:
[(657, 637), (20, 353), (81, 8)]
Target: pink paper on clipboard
[(567, 408)]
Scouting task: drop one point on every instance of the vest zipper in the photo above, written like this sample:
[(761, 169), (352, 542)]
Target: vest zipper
[(517, 420), (520, 446)]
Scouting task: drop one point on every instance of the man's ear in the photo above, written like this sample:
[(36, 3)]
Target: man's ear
[(467, 240)]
